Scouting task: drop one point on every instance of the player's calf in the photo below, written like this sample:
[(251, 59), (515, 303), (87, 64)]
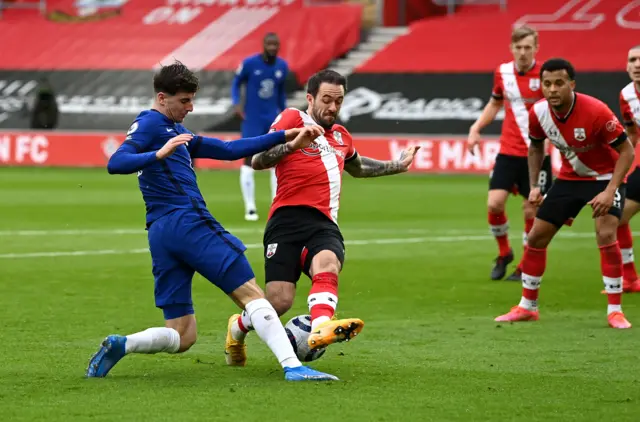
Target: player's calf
[(281, 295), (115, 347), (323, 296)]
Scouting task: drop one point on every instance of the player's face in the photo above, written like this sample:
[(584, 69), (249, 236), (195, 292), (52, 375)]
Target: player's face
[(271, 46), (557, 88), (177, 106), (524, 52), (633, 64), (326, 105)]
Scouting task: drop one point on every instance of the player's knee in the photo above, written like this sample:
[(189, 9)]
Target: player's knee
[(606, 234), (325, 262), (495, 206), (538, 239), (281, 295)]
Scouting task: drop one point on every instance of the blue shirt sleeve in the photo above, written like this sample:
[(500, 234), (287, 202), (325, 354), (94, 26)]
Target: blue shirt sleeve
[(127, 159), (133, 155), (217, 149), (240, 79)]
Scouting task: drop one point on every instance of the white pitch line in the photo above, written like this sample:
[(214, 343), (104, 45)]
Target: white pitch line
[(396, 241), (232, 230)]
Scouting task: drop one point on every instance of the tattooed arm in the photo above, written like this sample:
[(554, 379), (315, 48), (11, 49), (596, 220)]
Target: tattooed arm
[(270, 157), (297, 138), (368, 167)]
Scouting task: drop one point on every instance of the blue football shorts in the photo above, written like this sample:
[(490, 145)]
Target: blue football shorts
[(187, 241)]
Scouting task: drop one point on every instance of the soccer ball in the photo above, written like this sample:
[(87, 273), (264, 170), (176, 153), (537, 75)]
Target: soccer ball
[(298, 329)]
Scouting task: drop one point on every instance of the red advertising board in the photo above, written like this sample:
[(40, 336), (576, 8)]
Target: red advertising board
[(438, 154)]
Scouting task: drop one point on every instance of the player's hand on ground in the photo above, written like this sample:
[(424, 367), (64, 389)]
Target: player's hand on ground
[(535, 197), (171, 145), (304, 137), (406, 157), (602, 203), (472, 142)]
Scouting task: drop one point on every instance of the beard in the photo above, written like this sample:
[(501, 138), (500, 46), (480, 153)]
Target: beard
[(325, 122)]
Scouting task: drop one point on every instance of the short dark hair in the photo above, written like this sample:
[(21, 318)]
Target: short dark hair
[(175, 78), (328, 76), (553, 65)]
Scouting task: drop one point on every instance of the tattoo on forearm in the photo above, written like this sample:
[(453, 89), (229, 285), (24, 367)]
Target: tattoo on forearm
[(368, 167), (270, 157)]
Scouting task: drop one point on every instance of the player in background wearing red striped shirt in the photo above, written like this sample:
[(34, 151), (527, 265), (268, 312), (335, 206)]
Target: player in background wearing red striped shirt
[(630, 111), (596, 157), (302, 234), (516, 87)]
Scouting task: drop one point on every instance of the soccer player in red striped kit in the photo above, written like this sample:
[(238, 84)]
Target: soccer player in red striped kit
[(516, 86), (630, 111), (596, 157), (302, 234)]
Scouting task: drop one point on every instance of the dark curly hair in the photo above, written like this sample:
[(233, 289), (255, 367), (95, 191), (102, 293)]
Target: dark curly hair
[(175, 78)]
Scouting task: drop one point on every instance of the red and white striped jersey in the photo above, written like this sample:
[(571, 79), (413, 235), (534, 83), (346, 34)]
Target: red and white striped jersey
[(519, 90), (586, 137), (312, 176), (630, 105)]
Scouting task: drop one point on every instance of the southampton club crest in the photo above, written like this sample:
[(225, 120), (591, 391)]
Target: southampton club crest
[(580, 134), (271, 249), (338, 137), (534, 84)]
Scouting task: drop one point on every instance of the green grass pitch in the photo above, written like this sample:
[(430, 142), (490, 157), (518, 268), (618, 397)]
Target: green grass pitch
[(73, 269)]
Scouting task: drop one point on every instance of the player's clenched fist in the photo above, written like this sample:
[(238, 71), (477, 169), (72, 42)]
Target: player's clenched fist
[(535, 196), (472, 141), (171, 145), (304, 137)]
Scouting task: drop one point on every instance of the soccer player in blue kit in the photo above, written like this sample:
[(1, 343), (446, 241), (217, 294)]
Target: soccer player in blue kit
[(183, 236), (263, 76)]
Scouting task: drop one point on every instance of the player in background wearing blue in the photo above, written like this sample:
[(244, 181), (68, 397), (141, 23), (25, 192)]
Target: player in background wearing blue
[(183, 236), (263, 76)]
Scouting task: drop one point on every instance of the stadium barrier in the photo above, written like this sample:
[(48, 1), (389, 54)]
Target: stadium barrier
[(438, 154)]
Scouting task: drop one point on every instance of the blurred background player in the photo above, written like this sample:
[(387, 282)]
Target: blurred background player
[(596, 156), (263, 76), (302, 234), (516, 87), (183, 236), (630, 111)]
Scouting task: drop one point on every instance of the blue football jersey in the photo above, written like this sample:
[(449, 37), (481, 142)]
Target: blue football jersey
[(265, 95), (165, 184)]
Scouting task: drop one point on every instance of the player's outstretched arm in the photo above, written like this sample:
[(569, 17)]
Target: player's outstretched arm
[(369, 167), (233, 150), (221, 150), (302, 138), (271, 157), (127, 160)]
